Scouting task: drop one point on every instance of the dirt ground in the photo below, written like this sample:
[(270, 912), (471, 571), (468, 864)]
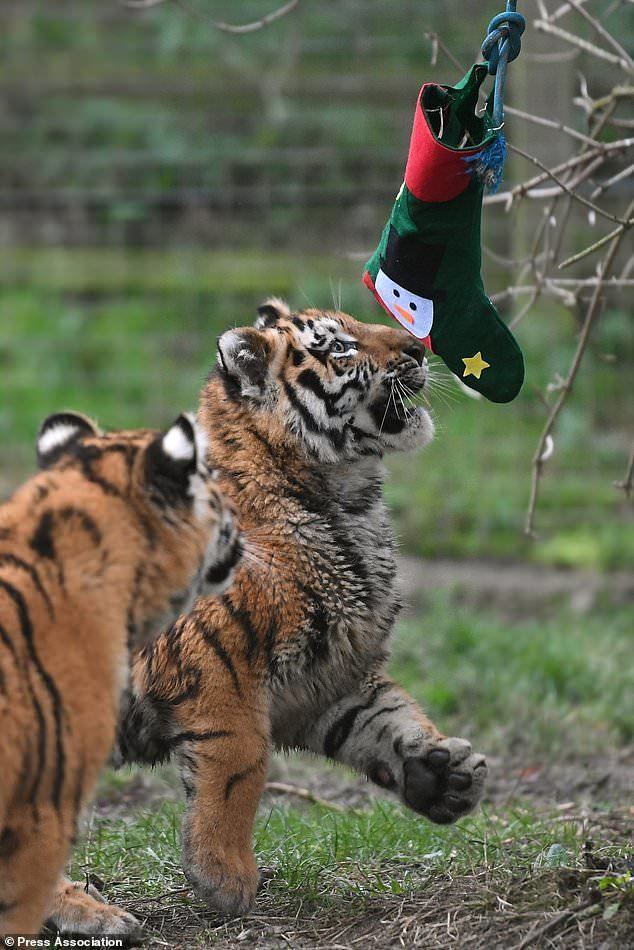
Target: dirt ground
[(486, 908), (521, 589), (558, 907)]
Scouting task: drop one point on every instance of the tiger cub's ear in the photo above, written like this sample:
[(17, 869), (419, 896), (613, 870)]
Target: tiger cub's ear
[(270, 312), (243, 357), (171, 459), (59, 432)]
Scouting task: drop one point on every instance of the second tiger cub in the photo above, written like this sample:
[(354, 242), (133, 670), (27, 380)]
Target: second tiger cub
[(116, 536)]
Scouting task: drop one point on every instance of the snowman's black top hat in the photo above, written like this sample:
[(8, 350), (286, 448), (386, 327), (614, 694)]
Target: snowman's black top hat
[(411, 263)]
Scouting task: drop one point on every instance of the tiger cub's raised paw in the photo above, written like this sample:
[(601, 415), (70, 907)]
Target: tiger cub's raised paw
[(441, 779), (446, 782)]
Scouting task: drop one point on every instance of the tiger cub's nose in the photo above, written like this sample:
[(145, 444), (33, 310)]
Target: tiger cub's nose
[(416, 351)]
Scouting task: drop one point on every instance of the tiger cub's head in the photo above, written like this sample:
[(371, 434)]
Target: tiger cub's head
[(342, 388), (151, 501)]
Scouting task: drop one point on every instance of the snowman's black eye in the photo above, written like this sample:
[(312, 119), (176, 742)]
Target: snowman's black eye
[(412, 306), (396, 293)]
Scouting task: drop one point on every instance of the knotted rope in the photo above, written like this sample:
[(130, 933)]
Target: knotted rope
[(501, 46)]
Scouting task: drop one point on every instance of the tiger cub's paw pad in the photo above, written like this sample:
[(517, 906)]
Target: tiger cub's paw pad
[(227, 887), (446, 782)]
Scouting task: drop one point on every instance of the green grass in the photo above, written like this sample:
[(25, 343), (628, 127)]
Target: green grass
[(332, 873), (129, 336), (326, 856), (566, 680), (533, 695)]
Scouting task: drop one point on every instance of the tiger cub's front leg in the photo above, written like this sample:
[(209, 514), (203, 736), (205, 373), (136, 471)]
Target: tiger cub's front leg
[(380, 731), (194, 700), (224, 779), (81, 909)]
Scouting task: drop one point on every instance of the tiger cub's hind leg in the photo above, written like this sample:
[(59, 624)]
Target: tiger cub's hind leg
[(193, 701), (80, 909), (381, 732)]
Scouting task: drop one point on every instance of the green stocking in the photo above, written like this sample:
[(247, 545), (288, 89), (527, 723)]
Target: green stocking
[(426, 269)]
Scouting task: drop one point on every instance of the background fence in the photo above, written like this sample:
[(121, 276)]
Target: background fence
[(159, 177)]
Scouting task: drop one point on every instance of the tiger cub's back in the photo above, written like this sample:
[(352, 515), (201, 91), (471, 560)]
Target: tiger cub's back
[(117, 535)]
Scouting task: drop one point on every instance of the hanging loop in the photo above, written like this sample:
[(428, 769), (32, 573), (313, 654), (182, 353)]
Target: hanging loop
[(501, 46), (503, 27)]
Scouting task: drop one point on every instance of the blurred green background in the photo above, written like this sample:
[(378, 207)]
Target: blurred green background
[(159, 178)]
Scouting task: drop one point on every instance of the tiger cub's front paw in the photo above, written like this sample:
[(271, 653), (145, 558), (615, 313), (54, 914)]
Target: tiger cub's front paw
[(441, 779), (78, 909), (228, 884)]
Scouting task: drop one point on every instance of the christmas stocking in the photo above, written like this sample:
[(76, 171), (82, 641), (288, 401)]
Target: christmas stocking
[(426, 269)]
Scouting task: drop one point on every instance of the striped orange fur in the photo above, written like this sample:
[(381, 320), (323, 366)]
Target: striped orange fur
[(116, 535), (299, 411)]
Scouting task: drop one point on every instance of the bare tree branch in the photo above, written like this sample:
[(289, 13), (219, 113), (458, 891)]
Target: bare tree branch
[(591, 249), (547, 27), (627, 483), (564, 187), (605, 34), (437, 44), (549, 123), (560, 11), (567, 384), (237, 28), (257, 24), (526, 188)]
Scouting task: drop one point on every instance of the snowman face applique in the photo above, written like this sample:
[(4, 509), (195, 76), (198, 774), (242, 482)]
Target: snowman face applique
[(412, 311)]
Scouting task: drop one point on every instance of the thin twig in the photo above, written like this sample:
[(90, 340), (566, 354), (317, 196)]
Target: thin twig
[(564, 187), (607, 36), (546, 26), (567, 385), (611, 99), (623, 175), (257, 24), (556, 282), (283, 789), (237, 28), (591, 249), (627, 482), (549, 123), (527, 187), (561, 11), (437, 44)]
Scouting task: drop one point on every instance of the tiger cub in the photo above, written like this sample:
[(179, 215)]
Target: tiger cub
[(299, 412), (117, 535)]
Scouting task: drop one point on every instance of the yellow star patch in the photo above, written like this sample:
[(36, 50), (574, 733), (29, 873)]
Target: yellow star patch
[(474, 365)]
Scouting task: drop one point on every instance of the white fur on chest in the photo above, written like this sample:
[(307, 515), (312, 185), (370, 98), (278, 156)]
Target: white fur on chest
[(319, 666)]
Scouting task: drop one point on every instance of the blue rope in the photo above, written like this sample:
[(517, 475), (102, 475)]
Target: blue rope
[(501, 46)]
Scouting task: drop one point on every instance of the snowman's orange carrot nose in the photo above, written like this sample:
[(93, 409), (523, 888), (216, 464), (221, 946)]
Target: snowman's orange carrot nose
[(404, 313)]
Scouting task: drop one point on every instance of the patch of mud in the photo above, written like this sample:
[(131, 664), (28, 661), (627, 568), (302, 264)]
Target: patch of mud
[(588, 781), (512, 589)]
